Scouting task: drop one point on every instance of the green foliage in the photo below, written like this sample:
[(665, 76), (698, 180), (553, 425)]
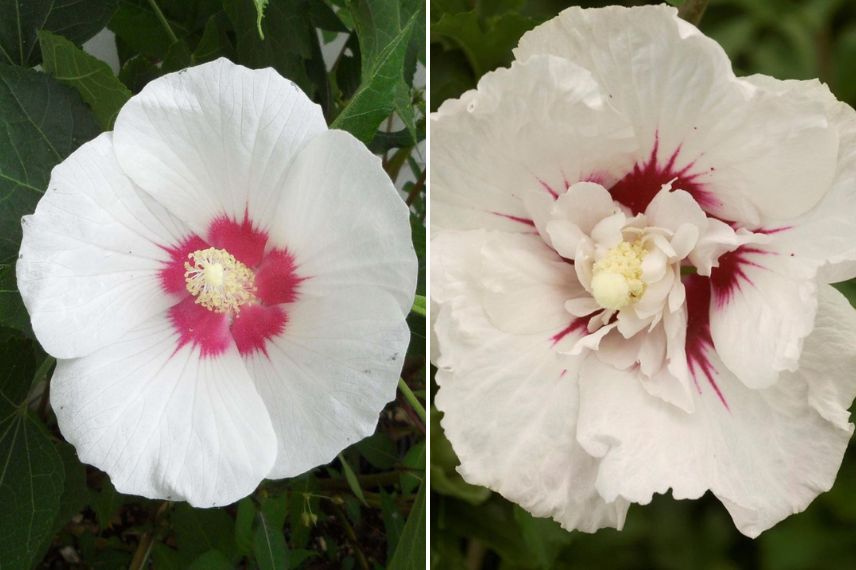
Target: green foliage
[(57, 512), (77, 20), (44, 122), (91, 77), (31, 469), (384, 30), (471, 527)]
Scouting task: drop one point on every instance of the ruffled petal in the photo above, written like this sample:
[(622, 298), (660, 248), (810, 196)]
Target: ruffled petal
[(762, 307), (696, 123), (215, 139), (91, 256), (765, 456), (512, 136), (344, 222), (164, 422), (327, 377), (827, 233), (510, 401), (525, 284)]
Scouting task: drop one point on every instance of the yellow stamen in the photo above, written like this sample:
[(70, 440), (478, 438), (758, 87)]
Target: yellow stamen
[(617, 278), (219, 282)]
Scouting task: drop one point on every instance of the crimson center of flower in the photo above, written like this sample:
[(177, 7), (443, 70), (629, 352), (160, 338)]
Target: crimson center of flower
[(218, 281)]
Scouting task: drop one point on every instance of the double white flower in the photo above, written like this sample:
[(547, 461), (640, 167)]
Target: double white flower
[(224, 283), (630, 265)]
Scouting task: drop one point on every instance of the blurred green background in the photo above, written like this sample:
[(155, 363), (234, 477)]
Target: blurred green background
[(473, 528)]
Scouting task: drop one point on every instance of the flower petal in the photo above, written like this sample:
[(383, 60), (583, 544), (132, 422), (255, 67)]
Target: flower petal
[(91, 256), (215, 139), (696, 123), (763, 306), (510, 400), (327, 377), (343, 221), (766, 456), (164, 422), (512, 136), (827, 233), (525, 284)]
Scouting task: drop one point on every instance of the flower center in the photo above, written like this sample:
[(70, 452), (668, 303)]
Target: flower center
[(617, 277), (219, 282)]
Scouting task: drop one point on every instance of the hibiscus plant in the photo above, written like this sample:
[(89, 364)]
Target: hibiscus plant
[(212, 312)]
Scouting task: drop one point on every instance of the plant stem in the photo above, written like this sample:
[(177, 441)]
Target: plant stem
[(141, 555), (411, 399), (692, 11), (164, 22), (351, 536)]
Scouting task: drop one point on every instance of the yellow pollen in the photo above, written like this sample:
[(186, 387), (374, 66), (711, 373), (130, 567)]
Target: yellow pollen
[(219, 282), (617, 278)]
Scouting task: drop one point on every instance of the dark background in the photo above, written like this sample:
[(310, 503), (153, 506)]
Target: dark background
[(474, 528)]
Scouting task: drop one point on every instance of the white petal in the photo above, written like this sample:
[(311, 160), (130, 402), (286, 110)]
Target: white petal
[(326, 379), (763, 306), (584, 205), (525, 284), (513, 135), (215, 139), (828, 232), (509, 407), (344, 222), (688, 109), (163, 422), (766, 456), (90, 258)]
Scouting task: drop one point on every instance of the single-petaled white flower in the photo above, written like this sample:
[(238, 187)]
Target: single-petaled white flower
[(224, 283), (630, 265)]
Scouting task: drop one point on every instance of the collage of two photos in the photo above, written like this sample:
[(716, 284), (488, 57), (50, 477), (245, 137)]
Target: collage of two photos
[(397, 284)]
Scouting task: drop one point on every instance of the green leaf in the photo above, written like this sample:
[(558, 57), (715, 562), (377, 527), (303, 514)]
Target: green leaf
[(74, 493), (352, 480), (269, 545), (378, 450), (410, 552), (137, 72), (486, 46), (288, 38), (244, 525), (260, 11), (91, 77), (165, 558), (544, 537), (200, 530), (383, 58), (212, 560), (77, 20), (12, 311), (142, 31), (44, 121), (215, 41), (31, 470), (419, 305), (106, 504), (414, 460)]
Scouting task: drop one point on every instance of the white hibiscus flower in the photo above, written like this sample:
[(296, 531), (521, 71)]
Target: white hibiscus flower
[(630, 265), (224, 282)]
